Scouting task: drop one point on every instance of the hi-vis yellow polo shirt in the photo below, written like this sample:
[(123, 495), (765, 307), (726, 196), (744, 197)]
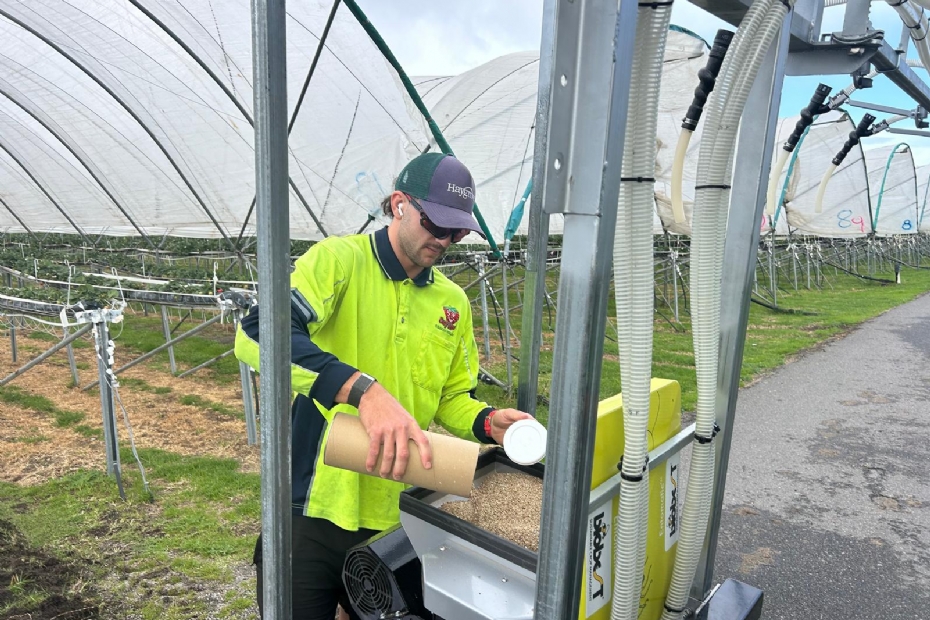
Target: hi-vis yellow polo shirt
[(353, 307)]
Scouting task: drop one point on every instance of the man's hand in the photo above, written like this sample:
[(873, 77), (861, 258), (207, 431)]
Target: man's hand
[(390, 427), (504, 419)]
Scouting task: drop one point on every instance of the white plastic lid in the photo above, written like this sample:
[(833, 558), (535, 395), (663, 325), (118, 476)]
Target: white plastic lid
[(525, 442)]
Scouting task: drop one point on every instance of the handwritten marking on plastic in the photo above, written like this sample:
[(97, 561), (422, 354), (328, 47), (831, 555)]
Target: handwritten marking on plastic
[(844, 221), (907, 225)]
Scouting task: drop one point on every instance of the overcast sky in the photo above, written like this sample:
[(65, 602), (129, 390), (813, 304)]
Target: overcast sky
[(447, 37)]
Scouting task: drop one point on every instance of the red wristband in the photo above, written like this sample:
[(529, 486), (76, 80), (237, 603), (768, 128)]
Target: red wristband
[(487, 423)]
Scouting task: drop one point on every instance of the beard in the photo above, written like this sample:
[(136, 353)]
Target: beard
[(419, 253)]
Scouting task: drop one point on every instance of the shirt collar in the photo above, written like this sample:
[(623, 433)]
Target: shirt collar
[(390, 264)]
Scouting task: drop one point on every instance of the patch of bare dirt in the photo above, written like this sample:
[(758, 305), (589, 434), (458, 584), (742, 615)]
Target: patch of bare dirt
[(34, 449), (24, 569)]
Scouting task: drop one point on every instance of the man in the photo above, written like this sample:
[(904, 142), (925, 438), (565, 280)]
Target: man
[(377, 332)]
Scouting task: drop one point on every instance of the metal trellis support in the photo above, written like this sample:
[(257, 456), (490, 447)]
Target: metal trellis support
[(239, 305), (66, 342), (161, 348), (13, 349), (166, 328), (98, 319)]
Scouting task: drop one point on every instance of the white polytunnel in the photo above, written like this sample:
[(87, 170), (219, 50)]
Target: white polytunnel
[(845, 209), (129, 117), (893, 190), (139, 116), (923, 185), (487, 115)]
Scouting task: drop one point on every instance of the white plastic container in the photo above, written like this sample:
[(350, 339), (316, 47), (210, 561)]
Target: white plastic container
[(525, 442)]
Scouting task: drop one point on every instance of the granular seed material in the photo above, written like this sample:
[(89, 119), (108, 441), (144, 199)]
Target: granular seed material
[(507, 505)]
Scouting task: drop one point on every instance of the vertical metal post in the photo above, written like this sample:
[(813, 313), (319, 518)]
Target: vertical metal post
[(508, 349), (674, 256), (773, 280), (747, 202), (272, 228), (537, 242), (167, 330), (856, 17), (481, 261), (809, 250), (13, 349), (587, 119), (71, 363), (245, 380), (107, 406)]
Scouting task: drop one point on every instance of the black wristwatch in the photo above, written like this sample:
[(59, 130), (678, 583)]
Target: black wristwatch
[(358, 388)]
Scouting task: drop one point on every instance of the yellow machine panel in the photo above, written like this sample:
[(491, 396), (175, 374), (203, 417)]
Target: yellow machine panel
[(664, 506)]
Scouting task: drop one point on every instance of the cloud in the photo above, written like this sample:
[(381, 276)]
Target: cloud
[(447, 38)]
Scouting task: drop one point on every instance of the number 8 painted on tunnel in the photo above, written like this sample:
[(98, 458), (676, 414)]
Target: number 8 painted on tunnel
[(843, 218)]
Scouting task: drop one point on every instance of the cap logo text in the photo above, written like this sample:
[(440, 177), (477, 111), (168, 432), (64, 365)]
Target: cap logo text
[(464, 192)]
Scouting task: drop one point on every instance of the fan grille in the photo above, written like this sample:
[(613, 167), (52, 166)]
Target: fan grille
[(367, 583)]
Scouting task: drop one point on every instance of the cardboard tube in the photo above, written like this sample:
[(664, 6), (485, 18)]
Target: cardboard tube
[(454, 460)]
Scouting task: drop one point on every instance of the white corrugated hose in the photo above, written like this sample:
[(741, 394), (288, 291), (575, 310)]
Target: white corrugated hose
[(758, 29), (633, 283)]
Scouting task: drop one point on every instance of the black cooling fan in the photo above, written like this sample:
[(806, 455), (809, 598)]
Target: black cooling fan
[(383, 578)]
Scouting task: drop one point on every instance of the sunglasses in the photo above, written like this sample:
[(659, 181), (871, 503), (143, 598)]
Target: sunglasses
[(439, 232)]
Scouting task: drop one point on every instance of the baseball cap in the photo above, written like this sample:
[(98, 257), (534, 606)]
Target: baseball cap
[(444, 188)]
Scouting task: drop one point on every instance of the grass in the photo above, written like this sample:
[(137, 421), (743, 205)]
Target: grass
[(203, 519), (146, 335), (16, 396), (198, 401), (772, 338), (154, 552), (143, 386)]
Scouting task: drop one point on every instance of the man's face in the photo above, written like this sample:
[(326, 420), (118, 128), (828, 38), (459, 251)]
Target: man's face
[(419, 246)]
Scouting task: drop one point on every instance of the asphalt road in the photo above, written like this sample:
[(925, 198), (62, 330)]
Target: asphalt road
[(827, 505)]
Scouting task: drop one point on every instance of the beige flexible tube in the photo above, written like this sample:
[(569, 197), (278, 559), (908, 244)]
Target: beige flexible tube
[(818, 204), (678, 170), (773, 181)]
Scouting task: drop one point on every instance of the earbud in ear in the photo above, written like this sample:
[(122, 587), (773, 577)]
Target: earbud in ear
[(400, 211)]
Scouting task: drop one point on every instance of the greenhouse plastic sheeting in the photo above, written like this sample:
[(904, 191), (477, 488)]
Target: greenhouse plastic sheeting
[(893, 190), (923, 185), (845, 210), (487, 115), (108, 122)]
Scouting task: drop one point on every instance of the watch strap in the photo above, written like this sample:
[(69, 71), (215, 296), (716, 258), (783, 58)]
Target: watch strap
[(358, 388)]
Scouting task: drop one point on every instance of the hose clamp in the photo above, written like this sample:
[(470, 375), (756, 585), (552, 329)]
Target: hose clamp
[(635, 478), (704, 440), (673, 610)]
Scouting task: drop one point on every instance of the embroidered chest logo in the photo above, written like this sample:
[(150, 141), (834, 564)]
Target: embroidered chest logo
[(450, 319)]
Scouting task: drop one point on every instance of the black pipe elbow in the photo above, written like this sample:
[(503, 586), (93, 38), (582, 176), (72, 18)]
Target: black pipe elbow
[(814, 108), (861, 131), (707, 77)]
